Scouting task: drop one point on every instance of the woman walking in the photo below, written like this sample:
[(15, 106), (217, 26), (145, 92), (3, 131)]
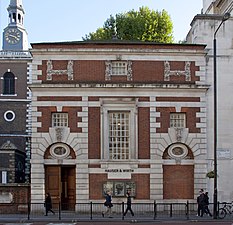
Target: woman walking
[(108, 204)]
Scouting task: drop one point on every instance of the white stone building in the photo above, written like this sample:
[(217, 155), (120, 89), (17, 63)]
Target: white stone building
[(202, 31)]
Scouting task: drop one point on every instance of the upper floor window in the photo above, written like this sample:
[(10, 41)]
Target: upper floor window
[(60, 120), (119, 129), (9, 84), (178, 120), (118, 68), (119, 138)]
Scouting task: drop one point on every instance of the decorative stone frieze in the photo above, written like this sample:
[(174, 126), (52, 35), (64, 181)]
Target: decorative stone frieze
[(168, 72), (59, 132), (69, 71), (8, 145), (178, 134), (108, 70)]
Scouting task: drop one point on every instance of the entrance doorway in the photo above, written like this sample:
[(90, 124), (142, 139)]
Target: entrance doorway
[(60, 183)]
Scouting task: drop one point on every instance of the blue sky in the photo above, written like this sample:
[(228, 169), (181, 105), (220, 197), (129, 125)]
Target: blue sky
[(70, 20)]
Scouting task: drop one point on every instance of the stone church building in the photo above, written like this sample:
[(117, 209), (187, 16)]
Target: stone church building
[(15, 101)]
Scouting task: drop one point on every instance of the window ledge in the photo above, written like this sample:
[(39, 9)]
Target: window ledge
[(6, 95)]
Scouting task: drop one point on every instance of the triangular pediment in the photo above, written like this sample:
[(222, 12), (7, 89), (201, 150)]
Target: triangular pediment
[(8, 145)]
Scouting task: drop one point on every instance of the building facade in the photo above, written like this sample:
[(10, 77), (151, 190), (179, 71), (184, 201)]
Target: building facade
[(14, 110), (118, 116), (202, 31)]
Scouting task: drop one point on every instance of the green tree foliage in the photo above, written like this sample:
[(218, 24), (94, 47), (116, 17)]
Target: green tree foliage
[(142, 25)]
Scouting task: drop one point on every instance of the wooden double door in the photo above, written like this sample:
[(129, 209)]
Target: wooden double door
[(60, 183)]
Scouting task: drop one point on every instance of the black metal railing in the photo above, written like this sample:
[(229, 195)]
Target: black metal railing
[(92, 211)]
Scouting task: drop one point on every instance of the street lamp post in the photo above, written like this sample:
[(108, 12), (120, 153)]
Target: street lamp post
[(225, 17)]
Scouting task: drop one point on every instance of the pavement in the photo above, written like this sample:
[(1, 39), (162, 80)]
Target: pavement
[(67, 219)]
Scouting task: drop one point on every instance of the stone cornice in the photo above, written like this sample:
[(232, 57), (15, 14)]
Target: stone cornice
[(121, 85)]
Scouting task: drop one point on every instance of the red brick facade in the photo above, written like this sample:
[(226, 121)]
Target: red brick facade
[(178, 182), (94, 71), (158, 80), (20, 198), (94, 133), (190, 115), (97, 180)]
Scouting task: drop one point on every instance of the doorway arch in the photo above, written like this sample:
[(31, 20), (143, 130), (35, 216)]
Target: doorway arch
[(60, 176)]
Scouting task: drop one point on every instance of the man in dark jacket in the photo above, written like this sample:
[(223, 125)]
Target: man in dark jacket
[(206, 203), (48, 204), (200, 203), (129, 202)]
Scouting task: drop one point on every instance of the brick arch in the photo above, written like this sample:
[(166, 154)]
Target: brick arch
[(48, 155), (190, 154)]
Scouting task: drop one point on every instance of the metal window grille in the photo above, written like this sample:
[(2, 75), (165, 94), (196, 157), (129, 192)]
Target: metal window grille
[(119, 135), (60, 119), (119, 68), (178, 120)]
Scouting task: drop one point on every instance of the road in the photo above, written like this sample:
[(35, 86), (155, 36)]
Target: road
[(191, 222)]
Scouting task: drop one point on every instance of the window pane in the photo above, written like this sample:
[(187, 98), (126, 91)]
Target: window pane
[(119, 135), (119, 68), (178, 120), (9, 84), (60, 119)]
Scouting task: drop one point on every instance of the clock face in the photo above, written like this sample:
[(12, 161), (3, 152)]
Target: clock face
[(12, 36)]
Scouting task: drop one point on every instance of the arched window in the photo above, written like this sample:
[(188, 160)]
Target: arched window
[(9, 84)]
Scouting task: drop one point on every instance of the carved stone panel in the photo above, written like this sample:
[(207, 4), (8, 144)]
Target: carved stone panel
[(69, 71), (168, 72)]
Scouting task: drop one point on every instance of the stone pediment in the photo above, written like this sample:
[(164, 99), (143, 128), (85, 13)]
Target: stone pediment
[(8, 145)]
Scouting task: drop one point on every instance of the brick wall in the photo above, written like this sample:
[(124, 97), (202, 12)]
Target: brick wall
[(19, 69), (144, 133), (94, 71), (96, 182), (46, 118), (21, 196), (191, 118), (178, 181), (94, 133)]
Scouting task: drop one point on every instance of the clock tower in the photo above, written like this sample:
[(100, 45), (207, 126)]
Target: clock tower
[(15, 35), (15, 100)]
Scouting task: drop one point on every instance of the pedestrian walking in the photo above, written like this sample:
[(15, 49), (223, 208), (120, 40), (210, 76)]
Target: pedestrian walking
[(48, 204), (206, 205), (200, 203), (108, 204), (129, 203)]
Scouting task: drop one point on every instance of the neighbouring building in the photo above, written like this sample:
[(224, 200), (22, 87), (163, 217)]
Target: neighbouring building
[(118, 116), (202, 31), (14, 110)]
